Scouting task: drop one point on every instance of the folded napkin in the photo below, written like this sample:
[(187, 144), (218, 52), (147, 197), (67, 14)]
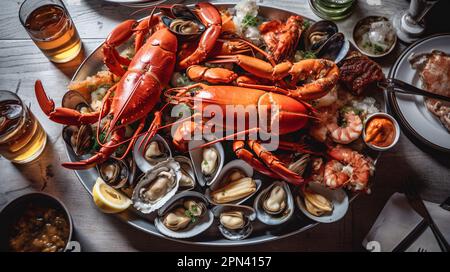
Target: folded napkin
[(398, 219)]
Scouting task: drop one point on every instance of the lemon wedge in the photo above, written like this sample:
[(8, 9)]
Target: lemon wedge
[(108, 199)]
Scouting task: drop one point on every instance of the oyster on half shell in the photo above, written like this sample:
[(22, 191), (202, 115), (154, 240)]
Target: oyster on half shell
[(157, 186)]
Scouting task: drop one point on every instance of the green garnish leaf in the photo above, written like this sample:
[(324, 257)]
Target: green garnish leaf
[(306, 24), (249, 20), (96, 145)]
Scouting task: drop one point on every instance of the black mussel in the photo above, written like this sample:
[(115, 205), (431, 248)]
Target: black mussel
[(74, 100), (182, 11), (335, 48), (114, 172), (317, 34), (81, 138), (185, 28)]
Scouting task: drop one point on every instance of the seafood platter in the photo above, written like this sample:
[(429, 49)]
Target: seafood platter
[(131, 152)]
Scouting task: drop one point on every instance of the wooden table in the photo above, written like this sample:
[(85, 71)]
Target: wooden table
[(21, 63)]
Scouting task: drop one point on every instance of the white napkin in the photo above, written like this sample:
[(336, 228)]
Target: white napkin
[(398, 219)]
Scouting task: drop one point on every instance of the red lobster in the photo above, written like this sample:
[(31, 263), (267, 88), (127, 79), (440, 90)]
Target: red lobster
[(131, 99), (292, 116)]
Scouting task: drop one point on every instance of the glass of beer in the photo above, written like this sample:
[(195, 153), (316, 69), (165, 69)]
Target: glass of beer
[(50, 27), (22, 138)]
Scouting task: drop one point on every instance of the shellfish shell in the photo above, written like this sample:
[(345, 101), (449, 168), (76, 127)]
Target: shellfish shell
[(337, 197), (274, 218), (144, 206), (240, 233), (187, 169), (220, 182), (193, 229), (138, 154), (196, 155)]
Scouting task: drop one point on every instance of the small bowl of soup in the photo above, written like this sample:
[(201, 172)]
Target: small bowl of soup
[(35, 222), (381, 131)]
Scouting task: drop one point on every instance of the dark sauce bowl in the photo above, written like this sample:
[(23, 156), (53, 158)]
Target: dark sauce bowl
[(17, 207)]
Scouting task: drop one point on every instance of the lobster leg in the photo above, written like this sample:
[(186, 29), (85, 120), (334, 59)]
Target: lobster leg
[(275, 164), (134, 138), (64, 116), (243, 154), (212, 75), (105, 152)]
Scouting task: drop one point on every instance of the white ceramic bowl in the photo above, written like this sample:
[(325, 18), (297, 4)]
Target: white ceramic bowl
[(397, 131)]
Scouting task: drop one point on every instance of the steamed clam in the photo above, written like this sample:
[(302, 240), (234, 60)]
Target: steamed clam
[(157, 151), (323, 39), (116, 173), (322, 204), (180, 217), (317, 204), (234, 184), (207, 161), (185, 215), (275, 204), (187, 180), (185, 24), (81, 138), (235, 221), (234, 190), (210, 161), (74, 100), (157, 186), (275, 201)]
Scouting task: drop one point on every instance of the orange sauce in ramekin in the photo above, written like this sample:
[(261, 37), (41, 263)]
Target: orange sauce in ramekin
[(380, 131)]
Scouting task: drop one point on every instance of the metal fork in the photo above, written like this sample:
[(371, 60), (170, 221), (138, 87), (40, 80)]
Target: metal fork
[(398, 86)]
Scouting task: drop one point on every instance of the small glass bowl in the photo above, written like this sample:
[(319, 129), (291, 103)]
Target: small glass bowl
[(396, 126), (364, 22)]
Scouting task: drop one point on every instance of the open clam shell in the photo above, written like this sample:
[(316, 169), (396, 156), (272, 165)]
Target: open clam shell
[(187, 181), (184, 27), (161, 192), (139, 155), (337, 197), (335, 48), (317, 34), (244, 227), (74, 100), (271, 217), (324, 39), (80, 139), (222, 180), (193, 228), (196, 155), (116, 173)]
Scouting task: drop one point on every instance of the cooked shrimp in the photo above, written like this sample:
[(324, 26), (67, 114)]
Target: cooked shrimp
[(349, 131), (360, 168), (336, 174)]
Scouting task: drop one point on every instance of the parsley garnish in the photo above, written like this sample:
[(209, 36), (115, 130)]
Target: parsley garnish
[(249, 20)]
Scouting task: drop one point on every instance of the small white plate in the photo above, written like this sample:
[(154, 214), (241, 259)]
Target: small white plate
[(338, 197), (411, 109)]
